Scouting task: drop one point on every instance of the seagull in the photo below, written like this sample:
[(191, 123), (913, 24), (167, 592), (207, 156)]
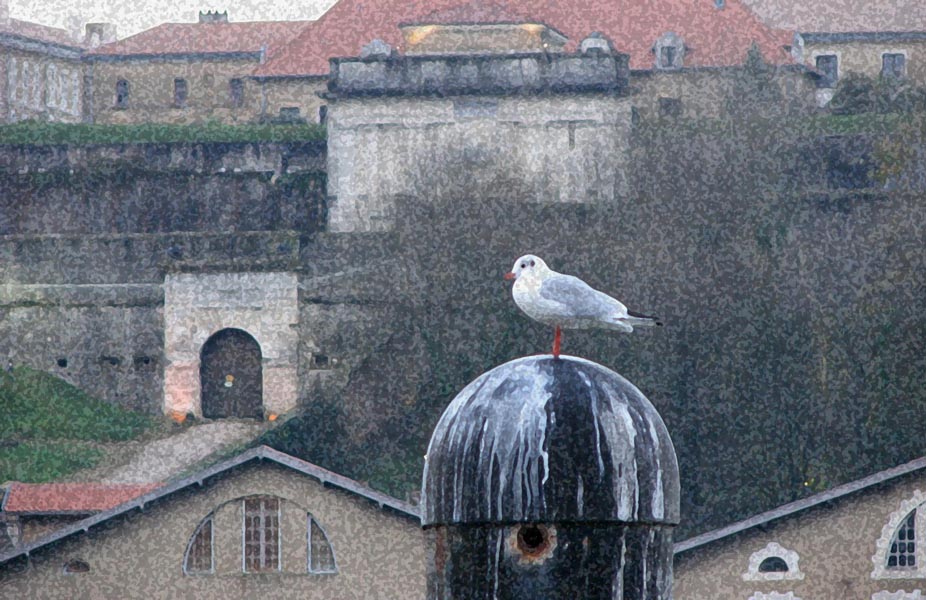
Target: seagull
[(567, 302)]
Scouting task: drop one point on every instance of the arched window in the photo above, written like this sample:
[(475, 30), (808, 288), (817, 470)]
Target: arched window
[(899, 552), (200, 556), (773, 563), (75, 566), (320, 553), (902, 553)]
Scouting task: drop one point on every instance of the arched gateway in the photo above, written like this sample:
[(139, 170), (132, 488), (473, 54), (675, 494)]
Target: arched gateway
[(231, 377)]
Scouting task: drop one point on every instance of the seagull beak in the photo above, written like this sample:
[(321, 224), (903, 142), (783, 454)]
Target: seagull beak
[(509, 276)]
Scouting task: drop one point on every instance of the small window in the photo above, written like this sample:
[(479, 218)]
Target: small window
[(828, 67), (321, 556), (667, 55), (893, 66), (122, 93), (199, 554), (63, 363), (73, 567), (902, 553), (236, 92), (670, 107), (261, 534), (773, 564), (290, 114), (323, 114), (180, 93)]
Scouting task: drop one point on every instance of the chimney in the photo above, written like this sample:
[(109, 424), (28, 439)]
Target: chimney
[(74, 28), (213, 17), (97, 34)]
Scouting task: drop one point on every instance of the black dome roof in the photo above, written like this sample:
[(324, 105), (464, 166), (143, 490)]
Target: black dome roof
[(543, 439)]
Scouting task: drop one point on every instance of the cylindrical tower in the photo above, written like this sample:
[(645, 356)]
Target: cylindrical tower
[(550, 479)]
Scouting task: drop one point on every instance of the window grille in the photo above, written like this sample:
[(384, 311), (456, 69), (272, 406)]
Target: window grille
[(199, 554), (773, 564), (261, 534), (903, 547), (236, 92)]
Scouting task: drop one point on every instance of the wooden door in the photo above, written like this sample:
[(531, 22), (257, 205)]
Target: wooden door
[(230, 376)]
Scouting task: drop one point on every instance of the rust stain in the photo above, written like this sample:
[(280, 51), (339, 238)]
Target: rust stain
[(532, 543)]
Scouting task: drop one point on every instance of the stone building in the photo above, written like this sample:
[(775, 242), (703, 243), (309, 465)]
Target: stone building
[(191, 73), (877, 39), (41, 74), (862, 540), (685, 57), (260, 523)]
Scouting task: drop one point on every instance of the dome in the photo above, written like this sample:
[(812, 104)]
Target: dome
[(540, 439)]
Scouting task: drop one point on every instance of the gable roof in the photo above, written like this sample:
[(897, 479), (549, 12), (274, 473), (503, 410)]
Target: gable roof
[(39, 33), (69, 498), (475, 12), (792, 508), (324, 476), (249, 37), (843, 16), (713, 37)]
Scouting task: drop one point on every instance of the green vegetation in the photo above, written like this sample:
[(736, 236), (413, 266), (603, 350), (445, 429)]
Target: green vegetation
[(40, 133), (796, 126), (859, 94), (49, 428), (40, 462), (39, 406)]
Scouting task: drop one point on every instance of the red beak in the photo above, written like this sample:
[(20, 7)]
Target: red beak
[(509, 276)]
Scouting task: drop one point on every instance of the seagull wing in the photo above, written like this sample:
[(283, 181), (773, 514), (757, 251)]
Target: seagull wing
[(580, 300)]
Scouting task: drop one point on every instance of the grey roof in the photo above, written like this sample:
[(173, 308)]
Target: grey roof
[(863, 36), (792, 508), (260, 453)]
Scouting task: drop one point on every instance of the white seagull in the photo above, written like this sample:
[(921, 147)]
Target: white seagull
[(567, 302)]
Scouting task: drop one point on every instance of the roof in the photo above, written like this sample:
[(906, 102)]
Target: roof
[(792, 508), (864, 36), (713, 37), (40, 33), (251, 37), (476, 12), (259, 453), (69, 498), (842, 16)]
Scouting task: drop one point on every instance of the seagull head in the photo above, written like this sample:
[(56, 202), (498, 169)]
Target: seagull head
[(527, 264)]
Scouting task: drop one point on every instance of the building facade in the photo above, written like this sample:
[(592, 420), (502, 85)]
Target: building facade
[(862, 540), (262, 523)]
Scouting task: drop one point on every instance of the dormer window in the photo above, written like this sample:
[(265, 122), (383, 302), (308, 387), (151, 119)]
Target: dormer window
[(670, 51)]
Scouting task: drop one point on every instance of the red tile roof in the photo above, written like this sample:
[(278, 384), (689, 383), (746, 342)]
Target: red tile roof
[(55, 498), (713, 37), (200, 38), (42, 33)]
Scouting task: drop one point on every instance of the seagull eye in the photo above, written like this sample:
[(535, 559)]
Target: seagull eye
[(523, 266)]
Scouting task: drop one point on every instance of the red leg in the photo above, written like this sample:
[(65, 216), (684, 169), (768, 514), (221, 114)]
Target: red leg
[(557, 341)]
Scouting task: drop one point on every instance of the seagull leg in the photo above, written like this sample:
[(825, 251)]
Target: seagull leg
[(557, 340)]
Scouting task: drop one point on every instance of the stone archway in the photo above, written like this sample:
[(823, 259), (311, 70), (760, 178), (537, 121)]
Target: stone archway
[(231, 376), (197, 306)]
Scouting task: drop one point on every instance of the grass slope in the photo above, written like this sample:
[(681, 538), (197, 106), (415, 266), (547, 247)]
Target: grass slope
[(32, 132), (49, 428)]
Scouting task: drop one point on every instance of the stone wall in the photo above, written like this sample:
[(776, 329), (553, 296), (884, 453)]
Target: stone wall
[(559, 123)]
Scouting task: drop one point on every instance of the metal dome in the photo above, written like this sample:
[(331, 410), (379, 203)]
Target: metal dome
[(540, 439)]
